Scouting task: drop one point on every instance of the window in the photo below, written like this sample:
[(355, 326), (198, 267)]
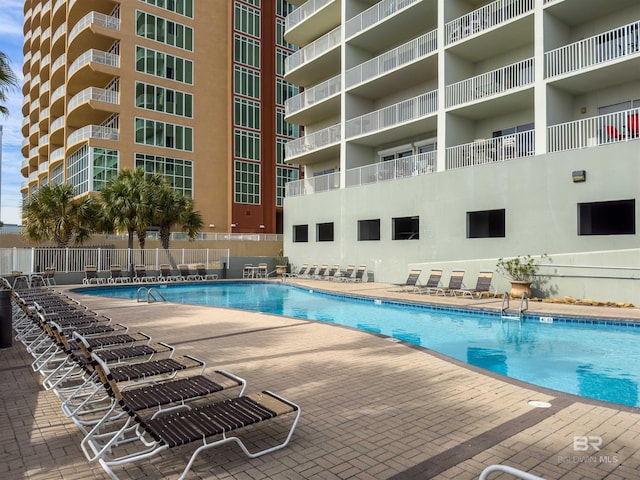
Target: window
[(368, 230), (246, 81), (246, 113), (165, 100), (324, 232), (164, 31), (607, 218), (105, 166), (283, 176), (247, 20), (300, 233), (406, 228), (247, 182), (78, 170), (160, 134), (179, 173), (246, 144), (162, 65), (246, 50), (485, 224), (181, 7)]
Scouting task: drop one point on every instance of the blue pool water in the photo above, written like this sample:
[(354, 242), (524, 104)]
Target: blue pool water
[(598, 360)]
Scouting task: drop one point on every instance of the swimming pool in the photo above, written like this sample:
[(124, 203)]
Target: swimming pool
[(594, 359)]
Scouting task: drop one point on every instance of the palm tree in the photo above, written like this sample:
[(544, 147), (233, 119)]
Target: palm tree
[(172, 208), (53, 213), (8, 81)]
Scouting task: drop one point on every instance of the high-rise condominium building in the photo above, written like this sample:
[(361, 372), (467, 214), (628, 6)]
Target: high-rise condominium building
[(449, 133), (192, 89)]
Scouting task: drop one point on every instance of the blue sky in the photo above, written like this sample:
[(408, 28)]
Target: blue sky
[(11, 40)]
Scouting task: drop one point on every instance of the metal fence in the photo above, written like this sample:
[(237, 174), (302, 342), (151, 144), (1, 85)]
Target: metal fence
[(69, 260)]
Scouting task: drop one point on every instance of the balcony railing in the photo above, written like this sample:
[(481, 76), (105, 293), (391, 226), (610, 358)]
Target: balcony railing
[(375, 14), (57, 5), (489, 150), (590, 132), (25, 163), (318, 184), (58, 92), (25, 142), (94, 56), (56, 155), (43, 167), (33, 153), (313, 95), (44, 113), (313, 50), (420, 164), (495, 82), (45, 87), (303, 12), (56, 124), (399, 113), (404, 54), (92, 131), (59, 62), (33, 129), (605, 47), (314, 141), (46, 34), (94, 18), (43, 141), (33, 176), (486, 17), (93, 93), (59, 32)]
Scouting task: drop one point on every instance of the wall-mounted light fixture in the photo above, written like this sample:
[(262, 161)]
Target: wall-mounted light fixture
[(261, 226), (234, 225), (212, 225), (579, 176)]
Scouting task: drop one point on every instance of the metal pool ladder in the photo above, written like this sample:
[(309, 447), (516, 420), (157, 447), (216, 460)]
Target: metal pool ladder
[(505, 314), (153, 295)]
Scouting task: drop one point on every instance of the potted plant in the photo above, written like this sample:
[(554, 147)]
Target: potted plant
[(520, 271), (281, 263)]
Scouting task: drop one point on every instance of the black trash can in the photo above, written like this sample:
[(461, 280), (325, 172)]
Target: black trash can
[(5, 318)]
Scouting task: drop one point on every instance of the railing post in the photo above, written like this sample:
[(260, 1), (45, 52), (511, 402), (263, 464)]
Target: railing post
[(66, 260), (157, 259), (99, 261)]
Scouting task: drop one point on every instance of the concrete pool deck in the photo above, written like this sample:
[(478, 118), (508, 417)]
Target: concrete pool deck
[(371, 408)]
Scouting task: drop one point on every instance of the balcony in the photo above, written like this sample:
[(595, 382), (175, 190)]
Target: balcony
[(314, 147), (26, 63), (401, 120), (59, 34), (35, 110), (490, 84), (26, 105), (24, 167), (25, 126), (43, 145), (24, 149), (59, 62), (44, 65), (33, 155), (56, 156), (311, 185), (56, 131), (315, 103), (415, 165), (603, 60), (43, 118), (390, 22), (56, 105), (95, 29), (46, 36), (83, 105), (95, 132), (315, 61), (26, 46), (24, 185), (326, 16), (399, 69), (89, 68), (485, 18), (43, 167), (484, 151), (599, 130), (33, 176)]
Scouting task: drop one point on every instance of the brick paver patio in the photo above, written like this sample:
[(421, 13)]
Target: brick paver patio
[(371, 408)]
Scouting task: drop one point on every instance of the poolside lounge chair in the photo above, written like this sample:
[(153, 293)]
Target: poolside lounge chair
[(321, 272), (333, 271), (49, 276), (301, 271), (201, 424), (483, 287), (411, 284), (117, 276), (202, 272), (345, 275), (185, 272), (433, 282), (455, 283), (166, 274), (141, 274), (359, 276), (91, 275), (311, 272)]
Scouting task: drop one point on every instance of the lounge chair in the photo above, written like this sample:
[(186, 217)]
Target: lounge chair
[(483, 287), (455, 283), (345, 275), (49, 276), (433, 282), (117, 276), (166, 274), (91, 275), (185, 272), (310, 273), (141, 275), (359, 276), (321, 272), (198, 424), (333, 271), (301, 272), (411, 284), (202, 272)]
